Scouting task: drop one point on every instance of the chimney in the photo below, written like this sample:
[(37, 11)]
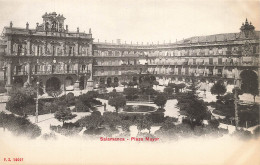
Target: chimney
[(77, 29), (118, 41), (37, 24), (27, 26), (11, 24), (67, 28), (89, 31)]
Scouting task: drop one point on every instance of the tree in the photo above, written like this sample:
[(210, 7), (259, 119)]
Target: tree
[(144, 122), (50, 107), (218, 89), (168, 90), (93, 121), (124, 83), (131, 93), (117, 102), (160, 100), (113, 94), (181, 86), (192, 107), (89, 98), (70, 99), (19, 100), (63, 115), (81, 107), (194, 86), (115, 84), (112, 119), (126, 125), (250, 82), (131, 84), (150, 91), (172, 85), (167, 124)]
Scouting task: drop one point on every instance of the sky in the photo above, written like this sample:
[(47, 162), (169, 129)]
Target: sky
[(137, 20)]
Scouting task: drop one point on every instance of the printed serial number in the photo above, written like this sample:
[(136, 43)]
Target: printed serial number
[(14, 159)]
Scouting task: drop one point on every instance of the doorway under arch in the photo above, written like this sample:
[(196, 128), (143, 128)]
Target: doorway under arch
[(109, 81), (68, 82), (53, 83), (82, 82)]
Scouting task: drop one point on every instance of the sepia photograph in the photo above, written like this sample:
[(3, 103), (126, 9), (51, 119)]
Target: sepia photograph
[(160, 82)]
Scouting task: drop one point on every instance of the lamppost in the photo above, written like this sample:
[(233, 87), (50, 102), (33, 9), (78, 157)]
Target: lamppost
[(236, 101), (37, 101), (85, 80)]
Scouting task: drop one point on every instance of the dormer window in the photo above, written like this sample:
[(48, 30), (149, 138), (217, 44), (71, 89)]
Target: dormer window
[(54, 25), (47, 26)]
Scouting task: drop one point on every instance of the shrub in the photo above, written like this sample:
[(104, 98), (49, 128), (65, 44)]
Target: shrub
[(168, 91), (19, 99), (126, 125), (93, 131), (117, 102), (160, 100), (218, 88), (19, 125), (70, 99), (63, 115), (214, 123), (157, 117), (80, 107), (111, 118), (131, 93)]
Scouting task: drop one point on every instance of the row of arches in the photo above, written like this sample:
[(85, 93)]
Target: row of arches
[(249, 81), (52, 83)]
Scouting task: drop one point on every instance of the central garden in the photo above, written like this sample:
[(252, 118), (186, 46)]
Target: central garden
[(128, 109)]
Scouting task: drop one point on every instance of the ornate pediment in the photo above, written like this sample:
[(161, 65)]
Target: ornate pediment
[(247, 49)]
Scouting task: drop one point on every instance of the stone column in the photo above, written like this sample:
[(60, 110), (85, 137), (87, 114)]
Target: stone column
[(90, 50), (90, 80), (29, 73), (29, 46), (76, 84), (63, 49), (9, 46), (9, 76), (76, 49)]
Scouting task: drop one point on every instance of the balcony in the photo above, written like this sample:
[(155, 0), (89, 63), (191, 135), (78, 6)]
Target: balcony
[(54, 72), (20, 73)]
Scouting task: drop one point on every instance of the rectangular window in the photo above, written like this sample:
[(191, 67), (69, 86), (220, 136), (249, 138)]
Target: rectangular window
[(220, 61), (211, 61)]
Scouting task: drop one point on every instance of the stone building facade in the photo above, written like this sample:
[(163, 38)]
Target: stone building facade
[(50, 54), (67, 60)]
